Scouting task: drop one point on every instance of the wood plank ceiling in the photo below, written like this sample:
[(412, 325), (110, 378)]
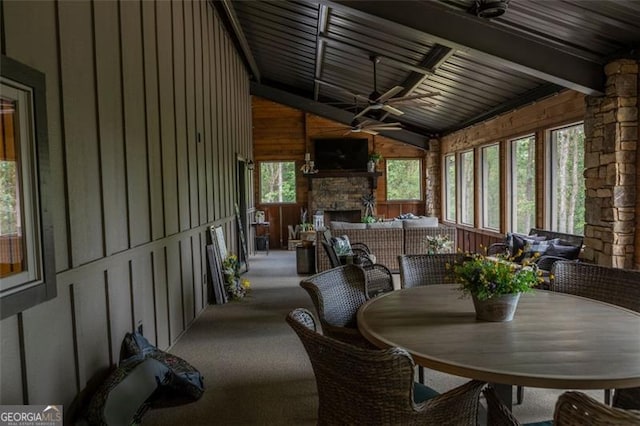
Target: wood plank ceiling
[(316, 55)]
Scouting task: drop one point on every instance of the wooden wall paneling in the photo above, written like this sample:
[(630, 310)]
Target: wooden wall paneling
[(11, 368), (120, 305), (110, 126), (164, 35), (179, 82), (91, 325), (198, 43), (48, 350), (144, 297), (152, 119), (208, 77), (138, 182), (174, 293), (80, 132), (223, 117), (191, 129), (161, 293), (188, 292), (196, 262), (217, 110), (541, 179), (31, 38)]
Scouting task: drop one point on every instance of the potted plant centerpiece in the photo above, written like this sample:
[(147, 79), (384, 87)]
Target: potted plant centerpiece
[(494, 283), (374, 158)]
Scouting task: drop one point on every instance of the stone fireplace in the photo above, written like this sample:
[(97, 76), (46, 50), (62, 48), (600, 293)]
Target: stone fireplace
[(340, 197)]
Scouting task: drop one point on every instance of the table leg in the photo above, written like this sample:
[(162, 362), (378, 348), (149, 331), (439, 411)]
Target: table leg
[(505, 392)]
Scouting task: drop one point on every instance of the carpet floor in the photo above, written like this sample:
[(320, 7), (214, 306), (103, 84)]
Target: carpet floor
[(255, 368)]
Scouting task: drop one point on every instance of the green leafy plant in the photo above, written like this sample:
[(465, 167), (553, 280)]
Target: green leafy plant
[(369, 219), (486, 277), (236, 287), (375, 157)]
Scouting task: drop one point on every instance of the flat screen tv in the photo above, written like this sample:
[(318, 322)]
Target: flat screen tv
[(341, 154)]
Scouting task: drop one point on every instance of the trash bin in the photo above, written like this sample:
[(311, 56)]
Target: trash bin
[(305, 259)]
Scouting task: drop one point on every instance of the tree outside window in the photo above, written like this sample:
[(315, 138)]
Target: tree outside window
[(403, 179), (567, 181), (278, 182), (523, 184), (466, 188), (450, 186), (491, 187)]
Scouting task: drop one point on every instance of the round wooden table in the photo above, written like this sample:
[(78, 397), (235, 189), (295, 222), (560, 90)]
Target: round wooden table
[(554, 341)]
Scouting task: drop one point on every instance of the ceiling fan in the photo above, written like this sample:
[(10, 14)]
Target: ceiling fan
[(370, 127), (376, 101)]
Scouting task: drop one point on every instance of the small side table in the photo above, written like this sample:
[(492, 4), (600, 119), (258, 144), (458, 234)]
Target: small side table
[(261, 235), (305, 259)]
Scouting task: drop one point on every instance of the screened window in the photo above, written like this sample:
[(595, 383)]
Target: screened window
[(403, 179), (450, 187), (566, 179), (466, 188), (523, 184), (278, 182), (491, 187)]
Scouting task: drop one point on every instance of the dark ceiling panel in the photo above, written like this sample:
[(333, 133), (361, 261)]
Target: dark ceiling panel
[(472, 83)]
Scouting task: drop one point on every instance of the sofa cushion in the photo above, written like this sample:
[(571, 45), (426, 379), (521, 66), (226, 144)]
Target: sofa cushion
[(348, 225), (422, 222), (517, 244), (568, 252), (538, 247), (381, 225)]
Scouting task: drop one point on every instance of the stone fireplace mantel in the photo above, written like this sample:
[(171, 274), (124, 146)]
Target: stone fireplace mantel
[(373, 176)]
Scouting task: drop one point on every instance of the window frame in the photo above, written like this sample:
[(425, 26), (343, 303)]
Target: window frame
[(461, 190), (551, 209), (39, 285), (445, 187), (420, 183), (483, 191), (295, 177), (511, 173)]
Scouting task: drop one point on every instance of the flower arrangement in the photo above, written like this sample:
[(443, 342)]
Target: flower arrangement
[(485, 277), (375, 157), (235, 287), (438, 244)]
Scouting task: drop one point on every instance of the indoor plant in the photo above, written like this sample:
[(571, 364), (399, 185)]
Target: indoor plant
[(494, 283), (374, 158)]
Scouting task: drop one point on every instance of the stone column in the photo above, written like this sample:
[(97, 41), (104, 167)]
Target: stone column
[(433, 178), (611, 154)]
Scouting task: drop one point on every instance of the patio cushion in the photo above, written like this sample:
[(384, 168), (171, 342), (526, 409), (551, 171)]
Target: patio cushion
[(341, 245), (569, 252), (422, 393)]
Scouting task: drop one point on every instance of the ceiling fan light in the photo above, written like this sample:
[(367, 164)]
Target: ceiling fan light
[(491, 8)]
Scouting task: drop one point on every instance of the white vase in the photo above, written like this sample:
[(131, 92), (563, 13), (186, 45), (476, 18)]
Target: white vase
[(371, 166)]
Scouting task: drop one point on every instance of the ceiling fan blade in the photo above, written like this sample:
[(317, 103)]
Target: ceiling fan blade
[(392, 110), (382, 129), (411, 97), (369, 131), (344, 89), (389, 94), (363, 112)]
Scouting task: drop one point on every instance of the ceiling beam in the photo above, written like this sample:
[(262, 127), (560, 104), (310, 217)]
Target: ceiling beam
[(329, 112), (465, 32), (234, 25), (323, 19)]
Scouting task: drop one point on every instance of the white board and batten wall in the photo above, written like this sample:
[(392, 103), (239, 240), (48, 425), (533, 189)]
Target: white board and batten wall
[(148, 109)]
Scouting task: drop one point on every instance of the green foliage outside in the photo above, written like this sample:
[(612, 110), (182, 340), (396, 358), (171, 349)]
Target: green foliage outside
[(491, 186), (524, 184), (8, 199), (567, 180), (403, 180), (450, 176), (467, 172), (278, 182)]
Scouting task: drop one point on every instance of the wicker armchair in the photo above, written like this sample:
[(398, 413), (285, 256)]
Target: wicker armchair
[(337, 294), (572, 409), (379, 278), (424, 269), (610, 285), (359, 386), (578, 409)]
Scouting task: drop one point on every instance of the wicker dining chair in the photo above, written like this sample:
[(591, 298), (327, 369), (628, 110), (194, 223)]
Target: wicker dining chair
[(617, 286), (379, 277), (424, 269), (578, 409), (358, 386), (337, 294), (572, 409)]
